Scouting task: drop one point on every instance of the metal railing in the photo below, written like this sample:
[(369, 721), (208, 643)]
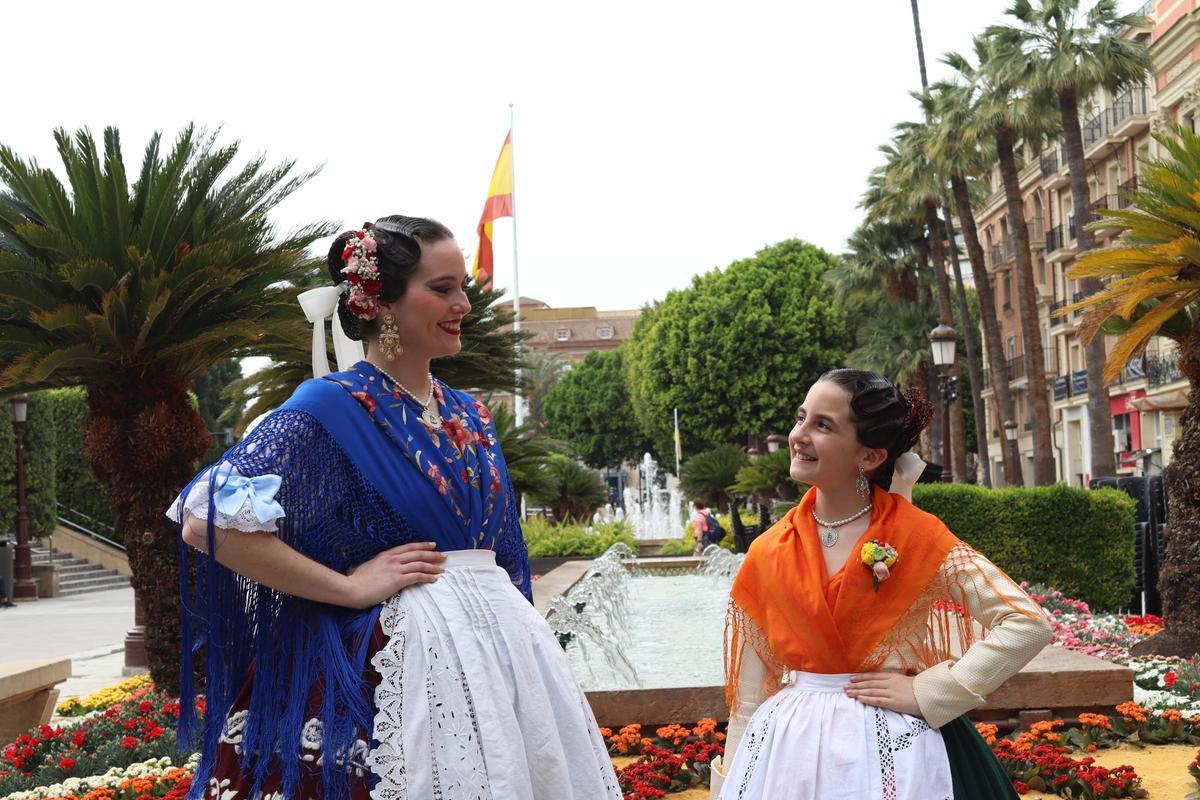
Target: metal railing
[(1049, 163), (1037, 230), (1079, 382), (1062, 387), (1135, 370), (1071, 233), (1126, 191), (1054, 238), (82, 523), (1075, 298), (1094, 128), (1104, 203), (1131, 103), (1163, 368)]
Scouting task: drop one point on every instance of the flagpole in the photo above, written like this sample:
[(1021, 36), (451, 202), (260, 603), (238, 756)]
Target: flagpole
[(512, 160), (678, 452)]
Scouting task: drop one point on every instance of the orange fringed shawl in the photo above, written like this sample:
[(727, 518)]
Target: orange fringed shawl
[(797, 618)]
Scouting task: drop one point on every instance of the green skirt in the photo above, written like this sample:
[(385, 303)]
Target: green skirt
[(974, 770)]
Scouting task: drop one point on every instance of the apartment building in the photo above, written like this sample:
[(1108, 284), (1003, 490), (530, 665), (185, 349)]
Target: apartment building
[(1147, 398)]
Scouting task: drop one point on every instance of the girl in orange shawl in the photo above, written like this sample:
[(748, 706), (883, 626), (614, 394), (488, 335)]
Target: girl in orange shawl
[(848, 678)]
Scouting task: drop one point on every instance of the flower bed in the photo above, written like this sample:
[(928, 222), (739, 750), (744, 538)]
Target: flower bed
[(139, 728), (98, 701), (155, 778), (676, 758)]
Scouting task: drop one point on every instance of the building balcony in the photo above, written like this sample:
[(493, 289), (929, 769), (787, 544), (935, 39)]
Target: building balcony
[(1066, 323), (1079, 382), (1129, 114), (1055, 174), (1104, 203), (1062, 387), (1060, 241), (1037, 233), (1126, 191), (1134, 371), (1162, 368)]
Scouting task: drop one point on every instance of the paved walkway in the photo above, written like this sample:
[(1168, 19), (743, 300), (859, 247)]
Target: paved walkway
[(89, 629)]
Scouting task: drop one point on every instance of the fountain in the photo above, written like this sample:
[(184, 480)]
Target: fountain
[(654, 513)]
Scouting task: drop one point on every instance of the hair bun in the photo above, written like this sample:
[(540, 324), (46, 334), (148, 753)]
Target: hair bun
[(918, 412)]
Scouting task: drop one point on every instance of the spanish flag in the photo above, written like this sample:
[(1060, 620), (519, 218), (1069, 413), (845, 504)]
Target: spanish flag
[(499, 204)]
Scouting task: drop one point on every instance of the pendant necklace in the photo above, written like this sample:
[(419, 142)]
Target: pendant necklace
[(430, 415), (829, 532)]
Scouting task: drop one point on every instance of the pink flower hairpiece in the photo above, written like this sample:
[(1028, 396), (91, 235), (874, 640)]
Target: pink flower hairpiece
[(362, 274)]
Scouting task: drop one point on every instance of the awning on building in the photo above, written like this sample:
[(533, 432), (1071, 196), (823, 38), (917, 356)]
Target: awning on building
[(1167, 401)]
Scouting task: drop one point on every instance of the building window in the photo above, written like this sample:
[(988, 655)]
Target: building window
[(561, 334), (604, 333), (1122, 433)]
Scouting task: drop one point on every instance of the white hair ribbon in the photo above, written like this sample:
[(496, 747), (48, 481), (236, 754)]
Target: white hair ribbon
[(319, 305)]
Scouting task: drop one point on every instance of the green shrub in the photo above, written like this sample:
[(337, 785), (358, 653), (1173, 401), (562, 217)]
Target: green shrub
[(40, 453), (547, 540), (77, 489), (1078, 541)]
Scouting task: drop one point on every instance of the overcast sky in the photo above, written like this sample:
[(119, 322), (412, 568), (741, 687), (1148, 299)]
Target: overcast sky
[(654, 140)]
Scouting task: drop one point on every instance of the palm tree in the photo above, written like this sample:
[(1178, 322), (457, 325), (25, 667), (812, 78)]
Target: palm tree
[(1008, 113), (917, 185), (962, 155), (572, 490), (1072, 57), (974, 367), (710, 474), (134, 292), (1154, 290), (486, 363), (540, 372)]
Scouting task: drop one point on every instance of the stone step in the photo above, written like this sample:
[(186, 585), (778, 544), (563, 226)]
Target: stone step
[(85, 569), (108, 580)]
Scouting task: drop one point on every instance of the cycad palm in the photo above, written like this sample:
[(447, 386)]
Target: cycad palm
[(1007, 113), (1154, 290), (1071, 55), (133, 292)]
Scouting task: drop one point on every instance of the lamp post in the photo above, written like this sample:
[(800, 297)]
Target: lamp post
[(24, 586), (1010, 434), (943, 339)]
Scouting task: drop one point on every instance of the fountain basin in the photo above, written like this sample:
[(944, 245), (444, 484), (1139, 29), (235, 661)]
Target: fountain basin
[(1057, 683)]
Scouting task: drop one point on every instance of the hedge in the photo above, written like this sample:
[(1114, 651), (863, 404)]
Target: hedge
[(546, 540), (77, 490), (1076, 540), (40, 457)]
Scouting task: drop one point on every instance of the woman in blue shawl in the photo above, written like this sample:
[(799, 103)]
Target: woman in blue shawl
[(363, 601)]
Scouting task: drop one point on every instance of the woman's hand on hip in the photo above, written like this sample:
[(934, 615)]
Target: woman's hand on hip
[(372, 582), (890, 690)]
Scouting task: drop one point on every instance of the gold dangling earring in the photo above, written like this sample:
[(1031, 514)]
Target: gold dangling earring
[(389, 339), (862, 485)]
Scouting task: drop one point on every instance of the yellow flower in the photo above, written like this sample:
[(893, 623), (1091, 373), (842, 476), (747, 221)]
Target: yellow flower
[(868, 554)]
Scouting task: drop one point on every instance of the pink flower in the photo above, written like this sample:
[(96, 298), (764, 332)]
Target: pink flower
[(368, 244)]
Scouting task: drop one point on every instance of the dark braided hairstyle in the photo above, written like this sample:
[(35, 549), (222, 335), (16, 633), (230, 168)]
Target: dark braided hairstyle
[(884, 417), (398, 242)]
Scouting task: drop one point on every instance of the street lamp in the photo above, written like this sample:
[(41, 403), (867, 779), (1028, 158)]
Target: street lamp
[(1010, 434), (943, 339), (24, 586)]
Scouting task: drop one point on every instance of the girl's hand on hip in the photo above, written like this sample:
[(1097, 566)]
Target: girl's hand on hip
[(372, 582), (890, 690)]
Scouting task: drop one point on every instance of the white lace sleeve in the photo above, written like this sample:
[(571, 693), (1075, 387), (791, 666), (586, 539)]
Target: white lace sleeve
[(243, 504)]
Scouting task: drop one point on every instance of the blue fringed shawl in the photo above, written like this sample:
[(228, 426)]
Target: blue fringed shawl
[(360, 474)]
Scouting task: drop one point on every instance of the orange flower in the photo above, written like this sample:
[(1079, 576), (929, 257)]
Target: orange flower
[(1132, 712), (987, 731), (606, 733), (1095, 721), (1171, 715)]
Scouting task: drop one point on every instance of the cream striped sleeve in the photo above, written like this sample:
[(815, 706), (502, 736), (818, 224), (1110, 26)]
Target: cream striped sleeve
[(750, 696), (1016, 632)]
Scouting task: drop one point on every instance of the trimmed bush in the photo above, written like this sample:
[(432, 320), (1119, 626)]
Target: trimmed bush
[(77, 490), (1079, 541), (546, 540), (40, 454)]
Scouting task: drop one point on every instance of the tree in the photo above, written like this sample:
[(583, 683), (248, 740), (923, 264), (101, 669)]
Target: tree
[(573, 490), (589, 409), (1154, 290), (767, 476), (962, 154), (736, 350), (540, 373), (712, 474), (1071, 57), (1009, 112), (134, 291), (486, 363), (525, 451)]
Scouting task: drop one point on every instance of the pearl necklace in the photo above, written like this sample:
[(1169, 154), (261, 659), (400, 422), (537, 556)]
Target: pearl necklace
[(432, 417), (829, 532)]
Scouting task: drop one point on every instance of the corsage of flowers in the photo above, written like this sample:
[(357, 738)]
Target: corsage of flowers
[(362, 274), (879, 557)]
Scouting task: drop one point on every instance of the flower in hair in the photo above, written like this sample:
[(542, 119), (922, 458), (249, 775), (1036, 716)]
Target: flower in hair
[(879, 557), (362, 274)]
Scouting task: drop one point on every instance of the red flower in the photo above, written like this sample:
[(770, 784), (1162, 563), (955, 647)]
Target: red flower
[(373, 286), (1170, 678), (129, 741), (78, 738), (484, 415), (457, 432), (66, 763), (367, 401), (354, 277)]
